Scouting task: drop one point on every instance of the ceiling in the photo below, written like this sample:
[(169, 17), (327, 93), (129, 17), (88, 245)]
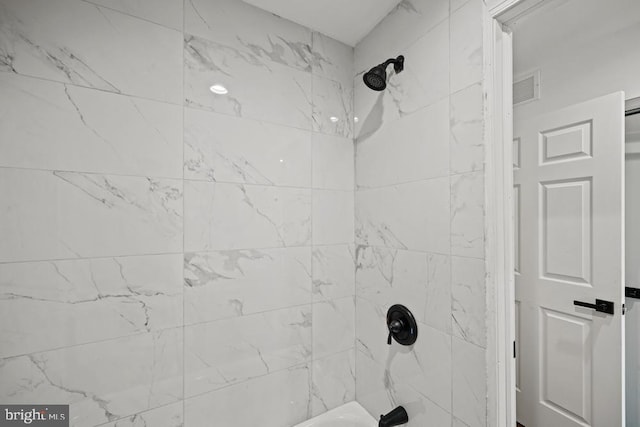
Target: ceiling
[(345, 20), (560, 26)]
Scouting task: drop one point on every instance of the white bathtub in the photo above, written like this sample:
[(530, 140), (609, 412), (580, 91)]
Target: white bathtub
[(348, 415)]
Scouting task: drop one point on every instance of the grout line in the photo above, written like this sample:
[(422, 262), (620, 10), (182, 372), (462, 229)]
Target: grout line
[(464, 3), (222, 113), (174, 178), (266, 185), (181, 104), (477, 83), (133, 16), (115, 422), (49, 260), (184, 308), (249, 315), (378, 304), (300, 365), (362, 138), (399, 184), (101, 341), (355, 251), (462, 340), (333, 354), (215, 251), (426, 252), (147, 177), (312, 238), (403, 47), (450, 275), (73, 84), (406, 384), (197, 251)]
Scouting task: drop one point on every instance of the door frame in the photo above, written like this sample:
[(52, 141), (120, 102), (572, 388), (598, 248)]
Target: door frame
[(498, 135)]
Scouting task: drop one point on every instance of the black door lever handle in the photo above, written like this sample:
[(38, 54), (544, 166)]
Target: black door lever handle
[(631, 292), (601, 306)]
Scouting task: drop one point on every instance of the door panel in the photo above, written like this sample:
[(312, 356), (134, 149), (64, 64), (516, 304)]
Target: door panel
[(567, 143), (566, 374), (569, 213), (565, 216)]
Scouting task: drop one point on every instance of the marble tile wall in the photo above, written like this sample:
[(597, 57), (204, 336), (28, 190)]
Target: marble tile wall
[(167, 254), (419, 214)]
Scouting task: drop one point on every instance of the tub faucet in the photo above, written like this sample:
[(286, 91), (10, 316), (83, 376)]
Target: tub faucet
[(394, 418)]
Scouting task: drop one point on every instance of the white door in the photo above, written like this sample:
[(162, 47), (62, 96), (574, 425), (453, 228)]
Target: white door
[(569, 213)]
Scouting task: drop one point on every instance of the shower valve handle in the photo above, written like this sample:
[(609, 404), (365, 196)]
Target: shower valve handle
[(395, 326), (402, 326)]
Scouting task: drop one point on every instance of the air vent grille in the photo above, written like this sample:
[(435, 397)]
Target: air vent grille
[(526, 89)]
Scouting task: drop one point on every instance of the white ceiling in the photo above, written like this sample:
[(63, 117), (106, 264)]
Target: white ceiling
[(565, 25), (345, 20)]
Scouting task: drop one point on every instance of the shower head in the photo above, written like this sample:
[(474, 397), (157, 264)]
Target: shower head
[(376, 78)]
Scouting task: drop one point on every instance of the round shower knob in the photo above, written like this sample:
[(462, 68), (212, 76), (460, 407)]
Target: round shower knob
[(402, 325)]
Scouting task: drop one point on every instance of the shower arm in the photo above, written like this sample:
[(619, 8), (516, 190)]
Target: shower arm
[(398, 63)]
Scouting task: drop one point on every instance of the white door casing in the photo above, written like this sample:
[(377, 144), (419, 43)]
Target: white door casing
[(569, 231)]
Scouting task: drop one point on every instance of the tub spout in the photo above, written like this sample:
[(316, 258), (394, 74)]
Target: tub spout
[(394, 418)]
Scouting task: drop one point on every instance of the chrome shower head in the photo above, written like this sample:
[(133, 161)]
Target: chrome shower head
[(376, 78)]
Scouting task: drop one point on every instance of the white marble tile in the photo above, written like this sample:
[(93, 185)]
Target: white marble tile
[(101, 382), (54, 215), (333, 382), (332, 107), (279, 399), (425, 365), (405, 24), (235, 216), (426, 72), (413, 216), (392, 276), (437, 311), (370, 109), (467, 127), (252, 31), (164, 416), (53, 304), (48, 39), (333, 165), (469, 383), (458, 423), (467, 215), (49, 125), (220, 285), (163, 12), (424, 81), (225, 352), (333, 217), (466, 45), (379, 392), (229, 149), (332, 59), (258, 88), (333, 326), (410, 149), (371, 328), (456, 4), (468, 300), (333, 269)]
